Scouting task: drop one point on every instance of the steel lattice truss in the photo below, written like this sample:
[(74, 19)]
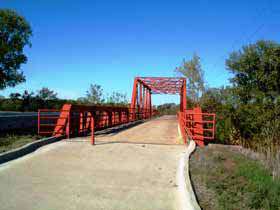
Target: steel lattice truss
[(144, 87), (163, 85), (78, 120)]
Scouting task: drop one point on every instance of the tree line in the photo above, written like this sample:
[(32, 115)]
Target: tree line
[(47, 99), (247, 110)]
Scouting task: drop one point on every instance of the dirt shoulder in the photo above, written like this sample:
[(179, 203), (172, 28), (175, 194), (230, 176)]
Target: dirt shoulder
[(13, 141), (225, 179)]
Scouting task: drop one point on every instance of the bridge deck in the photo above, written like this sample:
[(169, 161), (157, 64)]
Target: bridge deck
[(163, 130), (76, 175)]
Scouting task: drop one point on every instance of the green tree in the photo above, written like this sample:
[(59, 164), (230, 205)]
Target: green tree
[(256, 83), (195, 77), (15, 96), (46, 94), (117, 98), (15, 34), (95, 94), (82, 100), (256, 70), (27, 100), (168, 109), (222, 102)]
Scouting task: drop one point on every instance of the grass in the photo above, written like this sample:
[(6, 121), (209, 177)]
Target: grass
[(227, 180), (266, 190), (13, 141)]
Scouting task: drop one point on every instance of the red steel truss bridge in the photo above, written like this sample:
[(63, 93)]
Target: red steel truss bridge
[(79, 120)]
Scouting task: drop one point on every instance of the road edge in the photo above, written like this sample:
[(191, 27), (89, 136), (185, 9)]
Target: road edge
[(186, 197), (27, 148)]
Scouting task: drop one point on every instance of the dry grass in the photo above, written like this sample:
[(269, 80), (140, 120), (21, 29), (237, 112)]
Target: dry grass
[(268, 153), (225, 178), (13, 141)]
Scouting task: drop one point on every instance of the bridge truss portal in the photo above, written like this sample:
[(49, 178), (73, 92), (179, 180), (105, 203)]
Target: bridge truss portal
[(76, 120)]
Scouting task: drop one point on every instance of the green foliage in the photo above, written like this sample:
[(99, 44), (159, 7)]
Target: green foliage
[(82, 100), (195, 77), (10, 104), (233, 181), (94, 95), (222, 102), (248, 112), (265, 190), (47, 99), (28, 101), (256, 83), (117, 98), (15, 33), (46, 94), (168, 109), (256, 70), (15, 96)]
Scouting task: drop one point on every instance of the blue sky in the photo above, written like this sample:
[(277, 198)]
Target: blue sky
[(76, 43)]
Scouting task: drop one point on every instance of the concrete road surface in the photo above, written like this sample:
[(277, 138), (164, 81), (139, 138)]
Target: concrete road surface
[(116, 174)]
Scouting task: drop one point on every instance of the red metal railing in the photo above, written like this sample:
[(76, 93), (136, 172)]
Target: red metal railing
[(47, 121), (76, 120), (73, 120), (197, 126)]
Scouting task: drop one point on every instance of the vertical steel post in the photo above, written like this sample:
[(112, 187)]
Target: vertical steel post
[(145, 103), (127, 116), (68, 127), (181, 101), (110, 118), (133, 99), (150, 103), (198, 126), (140, 100), (92, 130), (38, 126), (184, 95), (120, 117), (81, 127), (214, 126)]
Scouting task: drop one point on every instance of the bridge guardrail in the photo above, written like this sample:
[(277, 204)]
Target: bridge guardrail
[(79, 120), (196, 125)]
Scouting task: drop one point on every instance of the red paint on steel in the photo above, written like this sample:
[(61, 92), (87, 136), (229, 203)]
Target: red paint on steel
[(77, 120), (197, 130), (184, 95), (133, 98), (92, 129), (196, 125), (38, 125), (80, 120), (62, 120)]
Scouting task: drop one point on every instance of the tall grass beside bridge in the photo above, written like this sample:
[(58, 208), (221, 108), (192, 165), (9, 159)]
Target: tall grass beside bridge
[(225, 179)]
